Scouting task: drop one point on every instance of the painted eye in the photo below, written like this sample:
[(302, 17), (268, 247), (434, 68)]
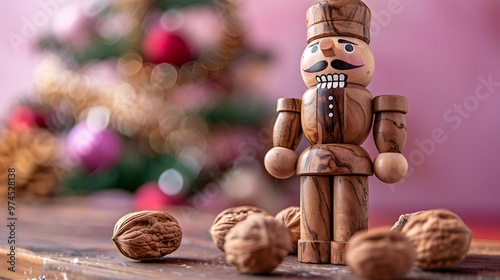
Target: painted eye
[(314, 49), (349, 48)]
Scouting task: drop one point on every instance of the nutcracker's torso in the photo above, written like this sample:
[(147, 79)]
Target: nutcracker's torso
[(336, 114)]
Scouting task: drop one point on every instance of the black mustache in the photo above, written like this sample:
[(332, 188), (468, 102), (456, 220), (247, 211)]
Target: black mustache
[(317, 67), (336, 64), (342, 65)]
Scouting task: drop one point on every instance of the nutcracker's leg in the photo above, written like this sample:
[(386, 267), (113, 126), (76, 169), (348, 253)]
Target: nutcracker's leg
[(316, 219), (350, 212)]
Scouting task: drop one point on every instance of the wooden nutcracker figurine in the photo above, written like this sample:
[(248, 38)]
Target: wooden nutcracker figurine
[(335, 115)]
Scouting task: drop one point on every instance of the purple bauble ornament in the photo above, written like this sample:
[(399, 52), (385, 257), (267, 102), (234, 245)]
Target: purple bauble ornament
[(97, 150)]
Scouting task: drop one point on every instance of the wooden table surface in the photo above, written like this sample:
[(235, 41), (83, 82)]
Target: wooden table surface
[(71, 239)]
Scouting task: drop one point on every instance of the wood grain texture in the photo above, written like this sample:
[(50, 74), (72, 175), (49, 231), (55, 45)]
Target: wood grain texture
[(337, 115), (323, 112), (390, 132), (316, 219), (288, 104), (334, 159), (390, 103), (350, 211), (332, 18), (390, 168), (337, 252), (350, 206), (287, 131), (280, 162)]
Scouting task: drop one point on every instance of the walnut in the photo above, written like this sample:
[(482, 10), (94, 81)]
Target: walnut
[(440, 237), (290, 217), (147, 235), (228, 219), (257, 245), (380, 254), (403, 219)]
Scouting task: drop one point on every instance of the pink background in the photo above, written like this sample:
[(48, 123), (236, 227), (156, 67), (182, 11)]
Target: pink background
[(437, 53)]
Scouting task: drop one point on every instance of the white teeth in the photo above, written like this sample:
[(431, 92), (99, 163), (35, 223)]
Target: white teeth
[(331, 81), (335, 80), (342, 80)]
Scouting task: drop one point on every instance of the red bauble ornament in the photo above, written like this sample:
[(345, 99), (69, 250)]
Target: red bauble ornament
[(164, 46), (23, 117)]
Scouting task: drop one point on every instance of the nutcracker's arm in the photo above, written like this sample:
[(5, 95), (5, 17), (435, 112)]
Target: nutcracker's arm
[(389, 133), (281, 160)]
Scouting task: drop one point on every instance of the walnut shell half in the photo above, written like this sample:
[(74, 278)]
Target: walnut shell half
[(440, 237), (147, 235), (290, 217), (227, 219), (257, 245), (380, 254), (403, 220)]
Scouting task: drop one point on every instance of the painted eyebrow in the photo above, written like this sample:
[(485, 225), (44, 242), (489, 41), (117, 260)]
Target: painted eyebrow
[(317, 43), (342, 41)]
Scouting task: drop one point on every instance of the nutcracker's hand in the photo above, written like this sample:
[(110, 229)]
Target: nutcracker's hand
[(390, 168), (281, 162)]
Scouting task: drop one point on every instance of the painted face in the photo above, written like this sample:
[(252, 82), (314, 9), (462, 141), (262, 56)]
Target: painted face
[(336, 61)]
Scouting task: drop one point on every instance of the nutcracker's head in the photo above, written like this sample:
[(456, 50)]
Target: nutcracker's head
[(338, 35)]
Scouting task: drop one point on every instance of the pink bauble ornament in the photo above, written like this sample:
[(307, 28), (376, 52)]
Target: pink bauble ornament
[(72, 26), (97, 150), (163, 46), (150, 197)]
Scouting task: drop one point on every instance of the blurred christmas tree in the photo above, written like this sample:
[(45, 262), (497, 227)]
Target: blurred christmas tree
[(146, 96)]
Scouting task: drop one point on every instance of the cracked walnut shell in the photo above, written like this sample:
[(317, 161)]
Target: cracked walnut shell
[(227, 219), (380, 254), (290, 217), (440, 237), (147, 235), (257, 245), (403, 220)]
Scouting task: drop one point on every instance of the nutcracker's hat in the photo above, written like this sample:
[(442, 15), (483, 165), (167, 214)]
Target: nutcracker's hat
[(349, 18)]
